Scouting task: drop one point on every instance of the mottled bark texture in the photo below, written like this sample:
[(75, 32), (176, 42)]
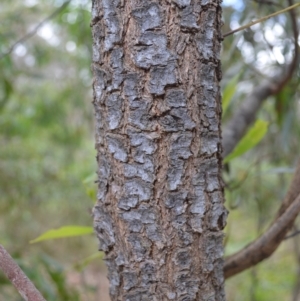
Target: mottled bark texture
[(160, 213)]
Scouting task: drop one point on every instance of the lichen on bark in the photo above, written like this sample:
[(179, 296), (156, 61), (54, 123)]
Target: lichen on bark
[(160, 214)]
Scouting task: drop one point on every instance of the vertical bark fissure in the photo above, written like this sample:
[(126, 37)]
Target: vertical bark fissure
[(160, 214)]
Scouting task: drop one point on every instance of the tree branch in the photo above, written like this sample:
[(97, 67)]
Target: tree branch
[(17, 277), (265, 245), (261, 20), (34, 30)]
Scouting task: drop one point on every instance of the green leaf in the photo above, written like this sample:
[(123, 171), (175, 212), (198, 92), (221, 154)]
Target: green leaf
[(66, 231), (228, 93), (86, 261), (90, 179), (250, 140)]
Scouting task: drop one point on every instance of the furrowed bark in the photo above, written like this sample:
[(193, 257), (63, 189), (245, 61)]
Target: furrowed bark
[(160, 214)]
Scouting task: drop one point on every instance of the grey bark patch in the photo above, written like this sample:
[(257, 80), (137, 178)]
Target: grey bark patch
[(117, 80), (116, 59), (180, 145), (143, 144), (207, 74), (100, 83), (188, 19), (204, 39), (114, 105), (116, 62), (130, 280), (178, 119), (140, 116), (141, 246), (209, 143), (182, 3), (182, 114), (131, 85), (144, 171), (175, 198), (98, 36), (104, 228), (135, 226), (139, 155), (157, 39), (199, 180), (176, 201), (175, 98), (210, 93), (171, 124), (152, 232), (213, 246), (160, 77), (178, 221), (153, 52), (138, 188), (139, 295), (196, 223), (217, 217), (205, 2), (114, 278), (112, 24), (174, 175), (213, 182), (127, 202), (186, 286), (198, 205), (210, 113), (102, 190), (185, 237), (218, 273), (148, 17), (103, 175), (148, 273), (131, 215), (116, 146), (148, 214), (183, 258), (104, 166), (120, 260)]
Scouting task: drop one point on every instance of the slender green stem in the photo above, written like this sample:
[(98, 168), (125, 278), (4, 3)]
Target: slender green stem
[(261, 20)]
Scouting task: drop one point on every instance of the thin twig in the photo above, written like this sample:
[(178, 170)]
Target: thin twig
[(34, 30), (292, 235), (17, 277), (261, 20)]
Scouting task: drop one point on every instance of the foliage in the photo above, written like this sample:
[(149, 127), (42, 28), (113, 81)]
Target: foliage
[(66, 231), (250, 140)]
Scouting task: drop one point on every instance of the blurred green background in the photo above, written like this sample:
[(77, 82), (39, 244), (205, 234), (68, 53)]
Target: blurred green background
[(47, 156)]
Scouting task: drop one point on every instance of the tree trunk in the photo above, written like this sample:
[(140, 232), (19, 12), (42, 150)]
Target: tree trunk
[(160, 214)]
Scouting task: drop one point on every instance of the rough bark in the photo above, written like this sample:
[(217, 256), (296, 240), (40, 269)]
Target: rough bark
[(160, 214)]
